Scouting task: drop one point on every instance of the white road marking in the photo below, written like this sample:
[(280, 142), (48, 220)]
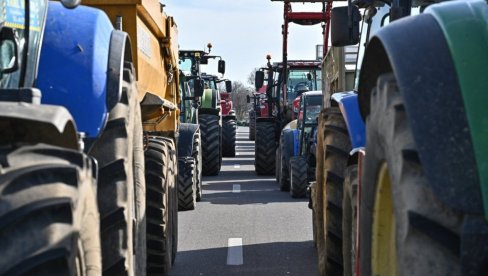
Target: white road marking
[(236, 188), (234, 252), (237, 166)]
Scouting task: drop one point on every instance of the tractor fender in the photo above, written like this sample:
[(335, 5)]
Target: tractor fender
[(296, 142), (348, 104), (291, 125), (34, 123), (416, 51), (288, 144), (73, 65), (185, 139)]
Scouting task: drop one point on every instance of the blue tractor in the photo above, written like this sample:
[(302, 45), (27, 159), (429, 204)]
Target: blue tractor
[(71, 144), (295, 156)]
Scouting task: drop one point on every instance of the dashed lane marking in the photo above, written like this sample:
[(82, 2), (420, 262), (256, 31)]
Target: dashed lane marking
[(234, 252)]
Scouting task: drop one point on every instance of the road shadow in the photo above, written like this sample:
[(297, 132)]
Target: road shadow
[(269, 259)]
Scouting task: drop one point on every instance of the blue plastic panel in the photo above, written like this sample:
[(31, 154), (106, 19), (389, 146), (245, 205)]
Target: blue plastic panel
[(348, 103), (73, 64)]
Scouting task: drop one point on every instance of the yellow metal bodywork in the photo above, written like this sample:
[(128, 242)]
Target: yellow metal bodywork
[(383, 250), (154, 39)]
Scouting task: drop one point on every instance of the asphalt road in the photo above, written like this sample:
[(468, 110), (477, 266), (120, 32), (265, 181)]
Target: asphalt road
[(244, 225)]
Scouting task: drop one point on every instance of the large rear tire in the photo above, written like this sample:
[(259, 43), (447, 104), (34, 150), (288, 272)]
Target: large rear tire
[(211, 143), (265, 148), (404, 228), (287, 151), (197, 154), (349, 220), (298, 177), (252, 125), (121, 182), (336, 153), (49, 222), (162, 205), (229, 132), (187, 185)]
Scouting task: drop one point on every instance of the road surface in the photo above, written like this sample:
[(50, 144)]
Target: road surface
[(245, 225)]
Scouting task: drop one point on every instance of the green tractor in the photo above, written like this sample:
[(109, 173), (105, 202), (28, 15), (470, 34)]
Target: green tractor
[(414, 195), (190, 143), (209, 113)]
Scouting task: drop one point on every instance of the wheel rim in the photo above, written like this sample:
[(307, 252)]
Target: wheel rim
[(384, 257)]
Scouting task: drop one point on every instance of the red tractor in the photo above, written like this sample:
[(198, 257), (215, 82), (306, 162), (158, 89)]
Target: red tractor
[(285, 81), (229, 121)]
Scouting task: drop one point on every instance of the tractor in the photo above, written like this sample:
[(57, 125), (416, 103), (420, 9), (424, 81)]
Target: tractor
[(228, 117), (258, 108), (49, 213), (285, 80), (302, 76), (190, 158), (295, 156), (209, 113), (125, 127), (411, 199)]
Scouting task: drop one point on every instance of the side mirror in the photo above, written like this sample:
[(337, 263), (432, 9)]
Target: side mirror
[(345, 29), (198, 87), (221, 67), (8, 51), (309, 76), (259, 79), (228, 86), (248, 99)]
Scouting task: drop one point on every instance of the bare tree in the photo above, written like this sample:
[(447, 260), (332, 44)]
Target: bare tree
[(239, 99)]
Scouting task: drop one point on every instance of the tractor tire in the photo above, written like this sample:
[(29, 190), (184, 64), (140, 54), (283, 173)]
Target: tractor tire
[(349, 220), (287, 151), (252, 125), (197, 155), (121, 185), (49, 215), (187, 185), (161, 203), (423, 234), (265, 148), (337, 147), (229, 132), (278, 164), (298, 177), (211, 144)]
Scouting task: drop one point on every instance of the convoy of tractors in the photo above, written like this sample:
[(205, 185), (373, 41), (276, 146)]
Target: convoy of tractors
[(107, 127)]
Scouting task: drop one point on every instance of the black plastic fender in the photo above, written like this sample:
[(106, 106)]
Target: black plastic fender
[(289, 144), (416, 51), (34, 123), (119, 52), (185, 139)]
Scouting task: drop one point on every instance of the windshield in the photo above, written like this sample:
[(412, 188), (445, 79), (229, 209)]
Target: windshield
[(301, 80), (12, 15), (312, 108), (185, 64), (210, 84)]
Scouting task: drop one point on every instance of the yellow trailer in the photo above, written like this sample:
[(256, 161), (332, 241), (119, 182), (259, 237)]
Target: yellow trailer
[(153, 50)]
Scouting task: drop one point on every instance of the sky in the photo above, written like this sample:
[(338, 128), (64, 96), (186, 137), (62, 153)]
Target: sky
[(243, 32)]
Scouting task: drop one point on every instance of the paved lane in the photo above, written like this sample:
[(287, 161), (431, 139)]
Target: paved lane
[(244, 225)]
